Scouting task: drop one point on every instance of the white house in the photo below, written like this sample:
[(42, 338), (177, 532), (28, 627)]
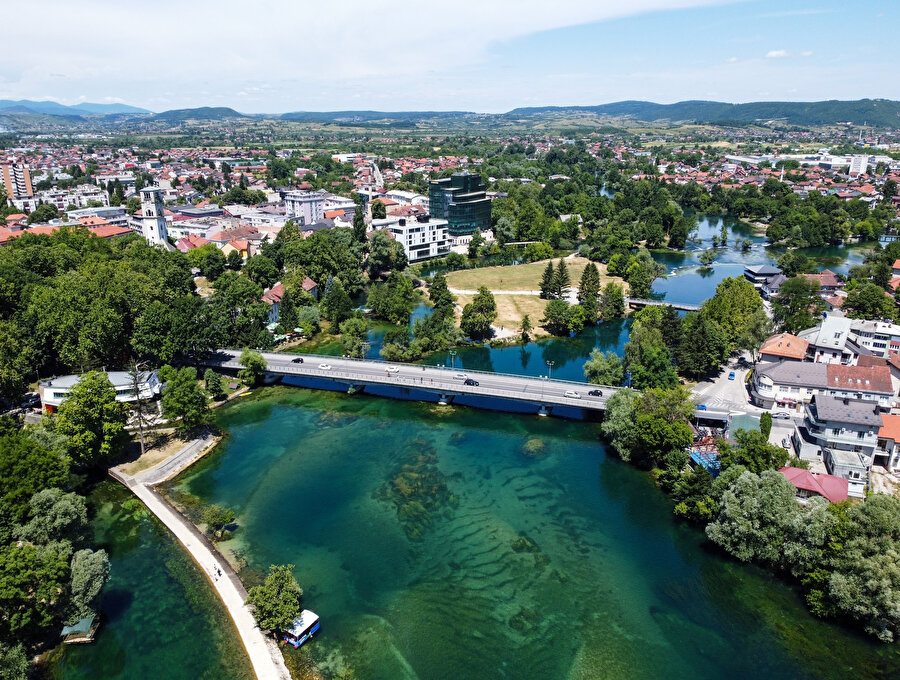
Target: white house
[(56, 390), (422, 238)]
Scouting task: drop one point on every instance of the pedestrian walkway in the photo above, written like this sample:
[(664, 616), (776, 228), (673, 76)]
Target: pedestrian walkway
[(265, 657)]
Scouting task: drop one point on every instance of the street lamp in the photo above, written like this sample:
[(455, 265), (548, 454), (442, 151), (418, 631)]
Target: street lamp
[(550, 366), (452, 357)]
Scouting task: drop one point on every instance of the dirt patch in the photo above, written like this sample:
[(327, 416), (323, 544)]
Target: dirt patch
[(158, 448)]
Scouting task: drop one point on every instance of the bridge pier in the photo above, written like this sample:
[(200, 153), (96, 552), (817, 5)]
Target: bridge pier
[(544, 410), (444, 399), (353, 389)]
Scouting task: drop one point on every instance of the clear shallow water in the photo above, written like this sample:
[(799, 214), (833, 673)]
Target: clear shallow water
[(403, 519), (161, 618)]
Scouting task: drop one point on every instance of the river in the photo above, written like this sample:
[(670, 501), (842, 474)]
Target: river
[(444, 543)]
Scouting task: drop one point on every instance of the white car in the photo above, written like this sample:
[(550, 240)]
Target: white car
[(393, 369), (572, 394), (325, 367), (460, 376)]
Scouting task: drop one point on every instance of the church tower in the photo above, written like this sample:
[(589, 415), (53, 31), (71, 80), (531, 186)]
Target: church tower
[(153, 217)]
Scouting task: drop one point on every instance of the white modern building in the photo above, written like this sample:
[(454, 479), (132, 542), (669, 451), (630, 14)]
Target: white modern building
[(422, 238), (304, 207), (55, 391)]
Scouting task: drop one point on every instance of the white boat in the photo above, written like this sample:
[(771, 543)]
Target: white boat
[(305, 626)]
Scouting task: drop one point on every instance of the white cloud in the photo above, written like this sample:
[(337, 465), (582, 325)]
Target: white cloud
[(189, 46), (777, 54), (732, 60)]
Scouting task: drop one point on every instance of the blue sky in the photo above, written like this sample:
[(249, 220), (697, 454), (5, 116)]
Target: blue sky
[(487, 55)]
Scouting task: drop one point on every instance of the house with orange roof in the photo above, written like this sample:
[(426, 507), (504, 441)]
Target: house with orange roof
[(239, 245), (809, 484), (783, 346), (887, 451), (190, 242), (310, 287), (92, 221), (272, 297)]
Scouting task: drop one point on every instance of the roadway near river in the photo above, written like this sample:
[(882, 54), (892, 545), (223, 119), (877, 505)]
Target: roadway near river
[(431, 378)]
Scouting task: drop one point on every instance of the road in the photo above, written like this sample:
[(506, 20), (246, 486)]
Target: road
[(442, 380)]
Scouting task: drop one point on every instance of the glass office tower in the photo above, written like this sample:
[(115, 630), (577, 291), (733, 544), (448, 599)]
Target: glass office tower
[(461, 200)]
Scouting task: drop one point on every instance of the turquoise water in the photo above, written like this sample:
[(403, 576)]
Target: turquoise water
[(453, 543), (161, 618)]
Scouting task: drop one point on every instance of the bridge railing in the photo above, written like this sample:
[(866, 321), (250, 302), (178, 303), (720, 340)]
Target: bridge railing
[(380, 362), (450, 387)]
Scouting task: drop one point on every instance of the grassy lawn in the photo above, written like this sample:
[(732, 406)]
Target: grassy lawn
[(519, 276), (512, 308), (159, 446)]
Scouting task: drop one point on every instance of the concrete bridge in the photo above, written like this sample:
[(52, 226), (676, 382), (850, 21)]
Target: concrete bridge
[(436, 382), (637, 303)]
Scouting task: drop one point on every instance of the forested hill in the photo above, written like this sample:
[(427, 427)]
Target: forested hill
[(878, 112), (202, 113)]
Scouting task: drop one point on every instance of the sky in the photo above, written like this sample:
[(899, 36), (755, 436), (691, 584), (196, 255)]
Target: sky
[(274, 56)]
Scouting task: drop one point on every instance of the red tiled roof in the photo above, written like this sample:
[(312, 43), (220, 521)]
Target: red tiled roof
[(890, 427), (785, 345), (330, 214), (274, 294), (308, 284), (860, 378), (830, 487), (825, 278)]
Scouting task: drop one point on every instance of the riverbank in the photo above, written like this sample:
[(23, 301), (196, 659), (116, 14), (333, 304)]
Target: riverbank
[(265, 657)]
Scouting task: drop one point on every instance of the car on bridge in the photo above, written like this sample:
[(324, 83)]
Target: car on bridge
[(595, 393), (572, 394), (470, 382), (298, 360), (325, 367), (393, 369), (461, 376)]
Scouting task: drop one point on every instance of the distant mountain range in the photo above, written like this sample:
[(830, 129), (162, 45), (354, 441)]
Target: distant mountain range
[(877, 112), (54, 109)]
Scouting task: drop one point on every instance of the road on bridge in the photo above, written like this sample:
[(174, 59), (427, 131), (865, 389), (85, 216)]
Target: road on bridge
[(431, 378)]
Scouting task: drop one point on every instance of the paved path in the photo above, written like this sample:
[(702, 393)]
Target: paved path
[(265, 657), (172, 465)]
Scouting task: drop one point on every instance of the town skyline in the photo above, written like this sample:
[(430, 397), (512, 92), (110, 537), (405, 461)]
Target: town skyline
[(415, 58)]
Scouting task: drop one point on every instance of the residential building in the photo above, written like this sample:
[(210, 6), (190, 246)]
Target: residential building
[(759, 274), (272, 297), (17, 183), (152, 218), (828, 281), (114, 215), (850, 466), (422, 238), (790, 383), (310, 287), (830, 342), (461, 200), (783, 346), (304, 207), (809, 484), (850, 425), (55, 391), (887, 451), (879, 337)]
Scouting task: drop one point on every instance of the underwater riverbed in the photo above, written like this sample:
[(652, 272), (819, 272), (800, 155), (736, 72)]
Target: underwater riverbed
[(441, 542)]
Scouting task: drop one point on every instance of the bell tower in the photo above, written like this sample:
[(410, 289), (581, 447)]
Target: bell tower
[(153, 217)]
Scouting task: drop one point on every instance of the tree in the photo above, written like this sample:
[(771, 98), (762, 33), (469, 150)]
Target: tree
[(556, 317), (526, 328), (13, 663), (354, 332), (757, 329), (209, 260), (337, 306), (392, 300), (612, 304), (359, 225), (385, 254), (765, 424), (619, 427), (475, 244), (217, 519), (214, 386), (707, 257), (93, 421), (604, 368), (234, 261), (90, 572), (43, 213), (889, 190), (442, 299), (547, 291), (379, 211), (287, 312), (732, 307), (797, 305), (55, 516), (478, 315), (754, 518), (561, 280), (133, 205), (588, 291), (254, 366), (182, 398), (753, 451), (27, 467), (31, 581), (869, 301), (276, 603), (702, 348), (261, 270)]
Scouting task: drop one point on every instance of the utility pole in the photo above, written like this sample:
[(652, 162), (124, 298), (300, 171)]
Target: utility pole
[(135, 372), (550, 366)]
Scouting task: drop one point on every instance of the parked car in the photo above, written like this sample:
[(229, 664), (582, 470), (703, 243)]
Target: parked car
[(298, 360), (471, 382), (786, 443), (701, 407), (782, 415), (572, 394), (325, 367), (731, 375), (595, 393)]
